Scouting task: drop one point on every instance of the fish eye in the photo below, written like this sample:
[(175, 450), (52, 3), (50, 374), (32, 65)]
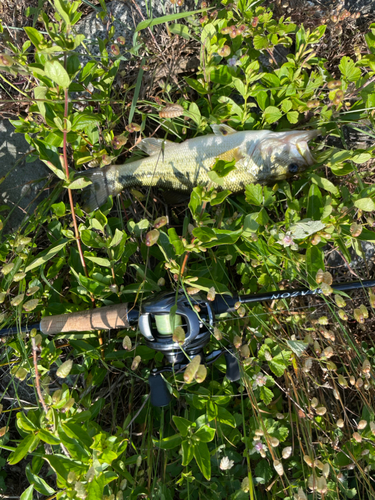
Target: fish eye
[(293, 168)]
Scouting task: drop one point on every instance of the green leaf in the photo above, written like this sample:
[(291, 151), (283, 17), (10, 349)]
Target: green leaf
[(361, 158), (349, 70), (202, 456), (46, 255), (262, 99), (59, 209), (324, 183), (205, 434), (95, 488), (25, 423), (220, 170), (73, 445), (83, 120), (314, 203), (272, 114), (187, 452), (207, 33), (57, 171), (365, 235), (117, 238), (286, 105), (297, 346), (195, 113), (48, 437), (254, 194), (240, 87), (250, 226), (198, 87), (305, 228), (260, 42), (340, 156), (220, 197), (266, 395), (34, 35), (235, 109), (365, 204), (76, 431), (82, 346), (57, 73), (279, 363), (292, 116), (168, 443), (39, 484), (148, 23), (263, 472), (40, 95), (79, 183), (24, 447), (261, 217), (314, 262), (180, 30), (99, 260), (358, 248), (63, 13), (340, 169), (28, 494), (182, 425), (220, 74), (92, 239), (175, 240), (63, 465), (225, 417), (221, 236)]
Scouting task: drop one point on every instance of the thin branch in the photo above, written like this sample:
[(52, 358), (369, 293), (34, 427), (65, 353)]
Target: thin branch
[(78, 239), (37, 376)]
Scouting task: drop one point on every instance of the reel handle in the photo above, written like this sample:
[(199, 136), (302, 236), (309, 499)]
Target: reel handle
[(103, 318)]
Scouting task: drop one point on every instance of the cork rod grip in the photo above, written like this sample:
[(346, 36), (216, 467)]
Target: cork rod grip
[(104, 318)]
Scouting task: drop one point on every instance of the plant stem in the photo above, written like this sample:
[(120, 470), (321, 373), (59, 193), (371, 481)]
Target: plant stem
[(37, 376), (78, 239)]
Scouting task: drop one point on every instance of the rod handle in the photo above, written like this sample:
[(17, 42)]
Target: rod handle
[(103, 318)]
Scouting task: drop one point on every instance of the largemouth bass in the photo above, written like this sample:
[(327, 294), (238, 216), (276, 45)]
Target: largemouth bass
[(261, 156)]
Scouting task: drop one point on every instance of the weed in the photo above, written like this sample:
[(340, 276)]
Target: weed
[(300, 422)]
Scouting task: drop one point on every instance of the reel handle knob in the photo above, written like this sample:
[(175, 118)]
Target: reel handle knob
[(159, 393), (233, 368)]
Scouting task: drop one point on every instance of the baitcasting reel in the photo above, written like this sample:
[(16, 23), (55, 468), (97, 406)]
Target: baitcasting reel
[(160, 315), (157, 323)]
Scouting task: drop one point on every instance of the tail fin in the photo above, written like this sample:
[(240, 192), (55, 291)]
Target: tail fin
[(97, 193)]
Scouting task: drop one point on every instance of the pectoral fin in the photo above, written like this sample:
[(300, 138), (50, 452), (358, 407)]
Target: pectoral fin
[(233, 154), (153, 146)]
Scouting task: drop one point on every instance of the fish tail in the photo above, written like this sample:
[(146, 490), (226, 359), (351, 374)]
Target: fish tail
[(103, 184)]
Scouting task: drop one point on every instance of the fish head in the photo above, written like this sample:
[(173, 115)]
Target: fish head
[(283, 154)]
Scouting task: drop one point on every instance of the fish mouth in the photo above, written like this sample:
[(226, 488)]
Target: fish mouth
[(299, 139), (304, 151)]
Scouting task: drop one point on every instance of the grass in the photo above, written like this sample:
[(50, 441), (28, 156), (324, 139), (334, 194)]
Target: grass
[(77, 419)]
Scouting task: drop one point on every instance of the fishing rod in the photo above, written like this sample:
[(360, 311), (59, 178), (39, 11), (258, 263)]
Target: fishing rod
[(157, 318)]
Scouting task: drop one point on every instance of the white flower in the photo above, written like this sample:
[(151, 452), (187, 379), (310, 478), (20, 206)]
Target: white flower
[(259, 380), (232, 61), (286, 240), (226, 464), (258, 446)]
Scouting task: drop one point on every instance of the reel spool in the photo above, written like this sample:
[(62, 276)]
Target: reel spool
[(157, 321)]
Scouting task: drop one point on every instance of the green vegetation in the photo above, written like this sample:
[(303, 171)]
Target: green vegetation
[(300, 423)]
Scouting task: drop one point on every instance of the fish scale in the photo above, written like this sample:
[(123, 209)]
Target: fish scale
[(261, 156)]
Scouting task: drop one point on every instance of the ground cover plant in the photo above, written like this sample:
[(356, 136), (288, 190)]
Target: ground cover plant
[(76, 417)]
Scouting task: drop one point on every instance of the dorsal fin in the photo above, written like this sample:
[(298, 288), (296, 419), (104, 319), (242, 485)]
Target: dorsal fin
[(153, 146), (222, 129)]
